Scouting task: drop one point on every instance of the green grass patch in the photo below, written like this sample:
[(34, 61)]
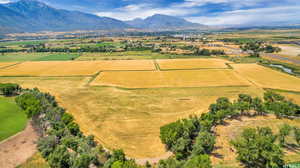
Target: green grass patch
[(13, 43), (132, 55), (12, 57), (12, 118)]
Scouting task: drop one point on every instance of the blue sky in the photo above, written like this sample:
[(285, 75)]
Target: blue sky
[(210, 12)]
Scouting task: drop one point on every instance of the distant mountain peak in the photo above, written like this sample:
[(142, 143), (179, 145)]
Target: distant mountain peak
[(33, 15), (161, 21)]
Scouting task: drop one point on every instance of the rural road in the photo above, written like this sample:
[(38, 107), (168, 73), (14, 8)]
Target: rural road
[(17, 149)]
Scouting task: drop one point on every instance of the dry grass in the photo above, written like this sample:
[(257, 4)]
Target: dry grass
[(73, 68), (267, 78), (159, 79), (36, 161), (224, 155), (5, 64), (192, 63), (128, 119), (289, 50)]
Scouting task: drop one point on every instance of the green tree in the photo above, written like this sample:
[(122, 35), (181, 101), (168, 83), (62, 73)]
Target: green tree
[(200, 161), (30, 104), (297, 135), (60, 157), (284, 131), (256, 148), (204, 143)]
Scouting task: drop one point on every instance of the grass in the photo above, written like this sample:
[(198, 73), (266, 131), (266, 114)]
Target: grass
[(161, 79), (36, 161), (267, 78), (12, 118), (130, 55), (191, 64), (74, 68), (128, 118), (15, 43), (12, 57)]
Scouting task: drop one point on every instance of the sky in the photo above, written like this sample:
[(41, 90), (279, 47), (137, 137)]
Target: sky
[(209, 12)]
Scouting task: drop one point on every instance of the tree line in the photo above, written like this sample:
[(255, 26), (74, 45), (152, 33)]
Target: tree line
[(192, 140), (62, 144)]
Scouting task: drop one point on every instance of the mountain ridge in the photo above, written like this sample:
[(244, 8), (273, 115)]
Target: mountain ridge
[(31, 16), (34, 16), (160, 21)]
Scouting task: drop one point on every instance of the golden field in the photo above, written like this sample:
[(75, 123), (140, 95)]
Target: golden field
[(180, 78), (74, 68), (169, 64), (266, 77), (225, 133), (5, 64), (128, 119), (131, 118)]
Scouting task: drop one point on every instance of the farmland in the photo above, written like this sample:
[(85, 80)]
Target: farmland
[(73, 68), (124, 93), (191, 64), (128, 119), (267, 78), (12, 118), (22, 56), (158, 79)]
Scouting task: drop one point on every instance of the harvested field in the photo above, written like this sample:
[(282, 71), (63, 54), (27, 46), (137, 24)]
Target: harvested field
[(5, 64), (169, 64), (129, 119), (224, 155), (73, 68), (267, 78), (160, 79)]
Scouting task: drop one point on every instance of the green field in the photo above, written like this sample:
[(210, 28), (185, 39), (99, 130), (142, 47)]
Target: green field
[(131, 55), (12, 118), (37, 57), (14, 43)]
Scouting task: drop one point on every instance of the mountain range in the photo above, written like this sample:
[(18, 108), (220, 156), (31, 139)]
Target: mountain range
[(33, 16), (159, 21)]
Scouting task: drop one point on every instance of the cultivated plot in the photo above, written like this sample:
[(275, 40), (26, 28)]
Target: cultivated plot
[(73, 68), (5, 64), (159, 79), (169, 64), (129, 119), (267, 78)]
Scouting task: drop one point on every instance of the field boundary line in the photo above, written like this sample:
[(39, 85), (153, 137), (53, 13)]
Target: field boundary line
[(156, 65), (29, 76), (191, 69), (125, 88), (283, 90), (4, 67), (241, 76), (93, 78)]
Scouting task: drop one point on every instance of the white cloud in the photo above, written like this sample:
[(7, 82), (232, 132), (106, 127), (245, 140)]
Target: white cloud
[(260, 16), (234, 3), (4, 1), (145, 10)]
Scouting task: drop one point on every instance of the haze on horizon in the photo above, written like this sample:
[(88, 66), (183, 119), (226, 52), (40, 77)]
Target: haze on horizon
[(208, 12)]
